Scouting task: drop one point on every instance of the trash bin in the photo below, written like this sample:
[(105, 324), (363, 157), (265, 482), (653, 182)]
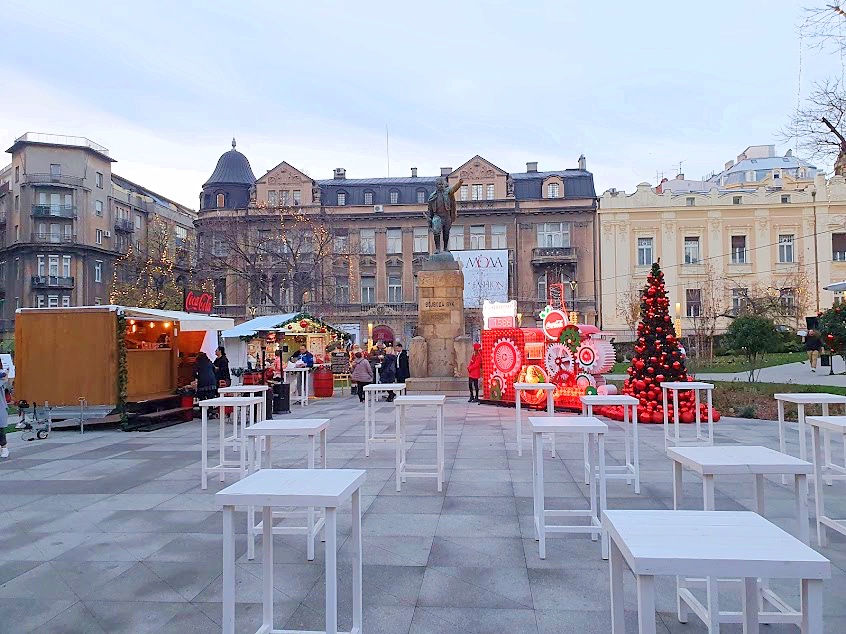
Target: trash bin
[(281, 398), (268, 402)]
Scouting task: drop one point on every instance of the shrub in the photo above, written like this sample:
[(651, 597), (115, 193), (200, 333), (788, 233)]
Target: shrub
[(752, 336), (747, 411)]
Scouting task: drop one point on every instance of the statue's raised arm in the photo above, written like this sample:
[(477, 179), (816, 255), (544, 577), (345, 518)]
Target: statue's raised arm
[(442, 211)]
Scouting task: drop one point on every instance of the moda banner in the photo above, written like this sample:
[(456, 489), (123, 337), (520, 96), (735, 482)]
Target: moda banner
[(485, 276)]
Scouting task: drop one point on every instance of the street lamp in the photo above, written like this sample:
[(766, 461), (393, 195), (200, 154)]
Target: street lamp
[(678, 323)]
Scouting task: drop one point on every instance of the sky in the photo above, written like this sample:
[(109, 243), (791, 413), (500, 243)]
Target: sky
[(635, 87)]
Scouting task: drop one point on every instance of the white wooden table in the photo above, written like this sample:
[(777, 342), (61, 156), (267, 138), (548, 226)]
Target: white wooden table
[(687, 386), (242, 390), (416, 470), (630, 470), (302, 381), (269, 488), (709, 543), (262, 433), (371, 397), (824, 468), (246, 410), (595, 429), (739, 460), (550, 410), (801, 399)]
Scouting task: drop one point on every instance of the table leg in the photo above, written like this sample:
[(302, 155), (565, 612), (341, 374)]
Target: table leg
[(204, 441), (267, 566), (759, 494), (589, 412), (698, 415), (228, 570), (310, 510), (666, 416), (627, 438), (323, 447), (676, 417), (827, 444), (636, 449), (803, 449), (550, 411), (617, 602), (242, 449), (366, 423), (221, 417), (535, 505), (708, 492), (646, 604), (822, 539), (750, 605), (760, 510), (710, 416), (592, 487), (331, 571), (518, 422), (398, 416), (268, 449), (800, 490), (677, 485), (537, 457), (782, 441), (812, 613), (357, 560), (602, 494)]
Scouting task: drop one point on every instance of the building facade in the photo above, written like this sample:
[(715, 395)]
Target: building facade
[(65, 219), (375, 239), (766, 228)]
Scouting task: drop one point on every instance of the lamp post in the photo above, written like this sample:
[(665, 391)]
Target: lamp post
[(678, 323)]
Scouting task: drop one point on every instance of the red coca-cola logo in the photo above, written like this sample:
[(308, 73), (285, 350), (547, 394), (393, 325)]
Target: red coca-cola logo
[(553, 324), (198, 302)]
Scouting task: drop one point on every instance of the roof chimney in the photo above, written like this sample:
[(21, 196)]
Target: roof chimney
[(583, 163), (729, 165), (679, 177), (789, 153), (413, 172), (660, 188), (446, 171), (532, 166), (340, 173)]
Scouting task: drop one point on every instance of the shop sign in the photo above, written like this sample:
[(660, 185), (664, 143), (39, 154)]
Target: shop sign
[(485, 276), (198, 302), (499, 314), (553, 324)]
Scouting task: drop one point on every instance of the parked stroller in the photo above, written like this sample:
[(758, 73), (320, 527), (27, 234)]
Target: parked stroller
[(34, 424)]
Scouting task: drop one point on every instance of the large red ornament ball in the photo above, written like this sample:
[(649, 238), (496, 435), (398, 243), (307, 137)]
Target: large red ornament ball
[(676, 365), (653, 360), (303, 324), (650, 370)]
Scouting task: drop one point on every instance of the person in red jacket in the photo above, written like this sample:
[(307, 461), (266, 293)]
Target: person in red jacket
[(474, 372)]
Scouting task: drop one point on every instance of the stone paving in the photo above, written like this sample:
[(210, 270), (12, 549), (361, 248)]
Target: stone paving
[(110, 532)]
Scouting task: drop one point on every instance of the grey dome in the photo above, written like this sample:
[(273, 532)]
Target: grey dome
[(232, 168)]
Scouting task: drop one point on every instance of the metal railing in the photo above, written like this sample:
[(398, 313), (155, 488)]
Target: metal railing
[(554, 254), (61, 139), (52, 281), (54, 211), (52, 179), (53, 238), (125, 225)]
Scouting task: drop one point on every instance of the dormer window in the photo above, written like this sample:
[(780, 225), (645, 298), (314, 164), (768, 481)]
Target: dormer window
[(221, 201), (368, 198), (342, 199), (552, 190), (421, 196), (394, 196), (750, 177)]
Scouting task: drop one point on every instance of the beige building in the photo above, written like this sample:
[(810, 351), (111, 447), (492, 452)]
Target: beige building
[(765, 227)]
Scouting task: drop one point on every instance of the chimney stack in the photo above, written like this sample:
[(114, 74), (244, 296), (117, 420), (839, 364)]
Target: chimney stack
[(729, 165), (413, 172), (583, 163), (446, 171), (532, 166), (340, 173), (679, 177)]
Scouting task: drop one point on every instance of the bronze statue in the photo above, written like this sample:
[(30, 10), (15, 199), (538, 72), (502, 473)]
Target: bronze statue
[(442, 212)]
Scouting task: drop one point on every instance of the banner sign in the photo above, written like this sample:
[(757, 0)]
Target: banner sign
[(499, 314), (485, 276), (198, 302)]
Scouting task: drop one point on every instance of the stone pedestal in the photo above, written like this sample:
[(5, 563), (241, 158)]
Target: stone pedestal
[(440, 315)]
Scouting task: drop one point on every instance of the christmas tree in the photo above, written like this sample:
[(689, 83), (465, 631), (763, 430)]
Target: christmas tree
[(658, 357)]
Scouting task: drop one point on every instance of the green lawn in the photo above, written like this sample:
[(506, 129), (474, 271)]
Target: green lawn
[(729, 363)]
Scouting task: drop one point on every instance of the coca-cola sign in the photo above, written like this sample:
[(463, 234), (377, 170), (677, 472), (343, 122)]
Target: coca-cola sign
[(553, 324), (198, 302)]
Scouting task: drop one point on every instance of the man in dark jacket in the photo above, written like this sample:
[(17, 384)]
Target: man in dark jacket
[(388, 372), (403, 371)]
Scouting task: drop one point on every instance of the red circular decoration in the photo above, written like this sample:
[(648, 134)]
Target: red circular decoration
[(303, 324), (553, 324), (506, 357)]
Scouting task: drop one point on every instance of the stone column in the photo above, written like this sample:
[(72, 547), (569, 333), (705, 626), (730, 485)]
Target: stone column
[(441, 315)]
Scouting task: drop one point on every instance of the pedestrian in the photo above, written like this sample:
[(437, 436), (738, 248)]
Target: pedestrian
[(403, 371), (388, 372), (4, 416), (206, 380), (221, 367), (362, 374), (813, 345), (474, 372)]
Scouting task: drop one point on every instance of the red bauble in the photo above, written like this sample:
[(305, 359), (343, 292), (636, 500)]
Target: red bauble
[(303, 324), (650, 370), (639, 385), (653, 360), (676, 365), (659, 330), (651, 291), (660, 378), (686, 416), (671, 338)]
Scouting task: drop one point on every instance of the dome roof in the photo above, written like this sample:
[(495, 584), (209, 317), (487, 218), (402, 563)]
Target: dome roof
[(233, 168)]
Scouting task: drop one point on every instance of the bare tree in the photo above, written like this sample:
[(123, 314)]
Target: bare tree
[(711, 294), (785, 299), (816, 124), (628, 306)]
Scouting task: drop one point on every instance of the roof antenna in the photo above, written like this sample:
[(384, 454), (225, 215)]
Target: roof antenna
[(233, 142)]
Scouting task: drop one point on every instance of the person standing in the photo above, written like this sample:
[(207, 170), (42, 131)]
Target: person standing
[(403, 371), (206, 380), (4, 416), (388, 373), (362, 374), (474, 372), (221, 368), (813, 345)]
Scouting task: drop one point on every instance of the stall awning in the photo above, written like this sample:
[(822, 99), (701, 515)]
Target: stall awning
[(187, 321), (837, 287), (269, 323)]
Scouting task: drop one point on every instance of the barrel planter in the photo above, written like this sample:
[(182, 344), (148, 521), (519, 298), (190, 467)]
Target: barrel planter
[(324, 382)]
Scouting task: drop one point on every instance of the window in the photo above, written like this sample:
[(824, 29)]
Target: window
[(542, 286), (17, 203), (98, 207), (421, 240), (342, 289), (462, 193), (65, 301), (456, 239), (691, 250), (421, 196), (138, 221), (738, 299), (98, 271), (498, 237), (693, 302), (477, 237), (40, 266), (99, 179), (368, 198), (53, 269), (52, 301), (220, 291), (552, 190), (838, 247), (341, 242), (39, 301), (367, 237), (394, 241), (489, 193), (342, 199), (777, 175), (553, 234), (394, 197), (785, 199), (273, 198), (286, 197), (66, 266), (785, 248), (736, 200), (690, 201), (738, 249), (297, 196), (395, 289), (645, 256), (99, 236), (98, 301), (787, 299), (476, 192), (368, 290), (55, 169), (17, 173), (181, 235), (221, 201)]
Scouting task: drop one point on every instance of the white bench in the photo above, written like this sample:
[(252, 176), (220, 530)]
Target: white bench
[(403, 468), (630, 470), (824, 468), (687, 386), (518, 410)]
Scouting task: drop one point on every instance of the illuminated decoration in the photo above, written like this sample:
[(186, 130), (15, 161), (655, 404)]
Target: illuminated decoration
[(506, 357), (559, 361), (499, 314), (571, 337), (532, 374), (591, 391), (554, 323), (534, 351)]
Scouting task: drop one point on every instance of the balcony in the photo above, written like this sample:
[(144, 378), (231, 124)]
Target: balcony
[(54, 238), (52, 179), (61, 139), (553, 255), (54, 211), (124, 225), (51, 281)]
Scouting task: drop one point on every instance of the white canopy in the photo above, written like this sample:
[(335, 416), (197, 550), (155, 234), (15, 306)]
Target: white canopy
[(187, 321), (264, 323), (837, 287)]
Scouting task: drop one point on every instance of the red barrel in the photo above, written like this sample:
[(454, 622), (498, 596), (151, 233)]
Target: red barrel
[(324, 382), (187, 401)]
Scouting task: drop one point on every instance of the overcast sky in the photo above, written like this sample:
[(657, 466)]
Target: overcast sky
[(635, 87)]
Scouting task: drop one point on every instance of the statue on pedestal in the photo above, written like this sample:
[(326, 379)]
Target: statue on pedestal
[(442, 212)]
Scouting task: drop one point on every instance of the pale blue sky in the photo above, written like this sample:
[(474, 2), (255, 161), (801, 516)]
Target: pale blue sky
[(636, 87)]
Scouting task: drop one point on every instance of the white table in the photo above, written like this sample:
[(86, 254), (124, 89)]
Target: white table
[(371, 395), (269, 488), (630, 470), (823, 468), (302, 379), (550, 409), (709, 543), (802, 399), (595, 429), (262, 433), (739, 460), (403, 468), (246, 410), (686, 386), (239, 390)]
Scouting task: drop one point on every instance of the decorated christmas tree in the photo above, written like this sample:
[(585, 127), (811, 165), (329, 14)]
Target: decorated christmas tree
[(658, 357), (833, 328)]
